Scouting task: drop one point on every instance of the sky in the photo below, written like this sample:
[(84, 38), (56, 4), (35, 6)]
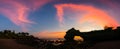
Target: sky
[(52, 18)]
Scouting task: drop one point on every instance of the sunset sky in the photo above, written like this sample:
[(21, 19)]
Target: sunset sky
[(52, 18)]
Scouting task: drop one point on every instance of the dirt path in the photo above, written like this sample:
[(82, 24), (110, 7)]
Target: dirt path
[(11, 44)]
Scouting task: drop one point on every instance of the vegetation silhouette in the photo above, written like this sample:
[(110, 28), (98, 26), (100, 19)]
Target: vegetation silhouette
[(20, 37)]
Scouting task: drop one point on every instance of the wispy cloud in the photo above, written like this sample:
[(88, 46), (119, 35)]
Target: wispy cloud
[(18, 10), (90, 13)]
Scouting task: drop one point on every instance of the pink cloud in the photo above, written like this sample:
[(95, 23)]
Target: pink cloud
[(60, 13), (18, 12), (98, 16)]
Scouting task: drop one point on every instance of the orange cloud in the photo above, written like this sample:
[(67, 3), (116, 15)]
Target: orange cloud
[(90, 14), (46, 34), (17, 11)]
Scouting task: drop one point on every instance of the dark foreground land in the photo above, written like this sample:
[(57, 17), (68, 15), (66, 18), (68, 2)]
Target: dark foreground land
[(12, 44), (104, 39)]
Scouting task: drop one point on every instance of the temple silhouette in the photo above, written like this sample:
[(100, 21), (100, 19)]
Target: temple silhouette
[(97, 35)]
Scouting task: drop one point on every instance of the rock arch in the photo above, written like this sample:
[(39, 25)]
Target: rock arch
[(98, 35)]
